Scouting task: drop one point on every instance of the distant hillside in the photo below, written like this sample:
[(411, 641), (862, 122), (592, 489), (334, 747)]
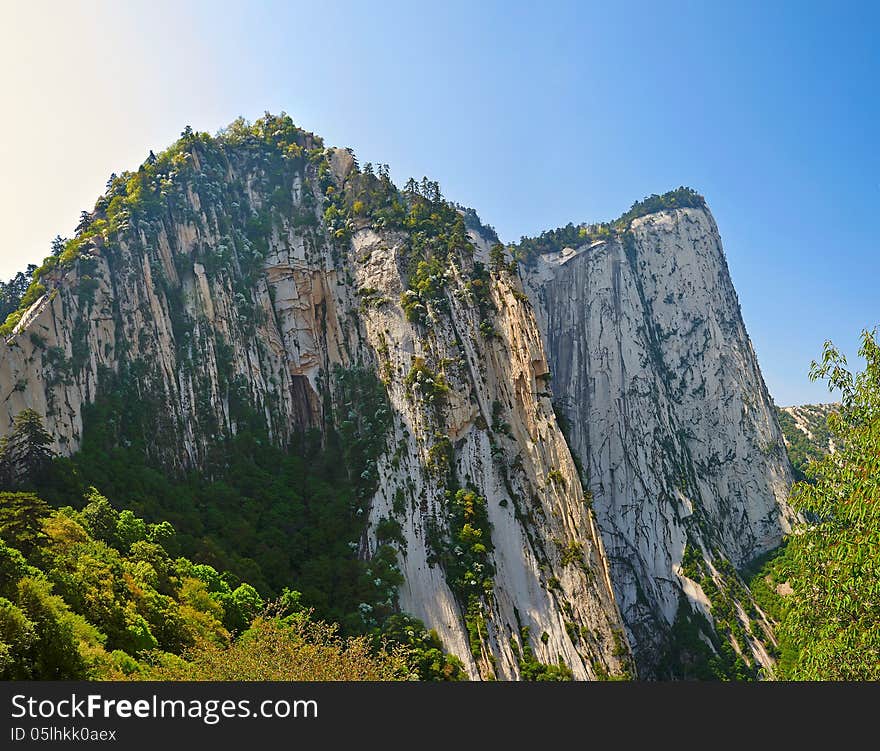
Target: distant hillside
[(806, 433)]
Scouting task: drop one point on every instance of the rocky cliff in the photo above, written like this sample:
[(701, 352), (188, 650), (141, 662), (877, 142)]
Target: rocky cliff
[(666, 410), (806, 433), (243, 276), (246, 276)]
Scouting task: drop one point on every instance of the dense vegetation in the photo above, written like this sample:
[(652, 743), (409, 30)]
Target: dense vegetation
[(722, 650), (823, 587), (800, 446), (573, 236), (12, 292), (196, 161), (92, 592), (96, 594), (269, 516), (254, 560)]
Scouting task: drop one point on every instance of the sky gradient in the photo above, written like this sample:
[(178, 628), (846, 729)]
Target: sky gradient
[(535, 116)]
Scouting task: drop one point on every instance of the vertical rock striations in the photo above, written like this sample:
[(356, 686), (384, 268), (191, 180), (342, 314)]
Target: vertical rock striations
[(254, 277), (239, 279), (668, 413)]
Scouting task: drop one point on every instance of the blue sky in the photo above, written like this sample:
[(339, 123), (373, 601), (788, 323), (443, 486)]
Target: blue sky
[(535, 114)]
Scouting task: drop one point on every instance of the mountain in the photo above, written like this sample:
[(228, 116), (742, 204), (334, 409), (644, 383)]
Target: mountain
[(806, 434), (657, 380), (558, 454)]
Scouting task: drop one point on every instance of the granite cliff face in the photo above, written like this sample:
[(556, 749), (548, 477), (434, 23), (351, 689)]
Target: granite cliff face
[(223, 303), (667, 411), (241, 277), (806, 433)]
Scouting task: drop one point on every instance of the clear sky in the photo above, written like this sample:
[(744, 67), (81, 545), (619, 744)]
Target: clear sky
[(535, 114)]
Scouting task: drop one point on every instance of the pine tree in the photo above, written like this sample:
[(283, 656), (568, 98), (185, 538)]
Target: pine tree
[(26, 451), (57, 245), (85, 218), (21, 520)]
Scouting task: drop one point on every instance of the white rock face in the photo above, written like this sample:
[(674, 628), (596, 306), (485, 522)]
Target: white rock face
[(191, 320), (811, 421), (188, 327), (568, 603), (666, 409)]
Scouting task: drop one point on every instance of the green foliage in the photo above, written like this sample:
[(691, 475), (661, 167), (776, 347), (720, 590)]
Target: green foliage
[(573, 236), (12, 292), (498, 260), (291, 648), (89, 609), (440, 456), (390, 530), (163, 183), (61, 641), (423, 381), (479, 288), (801, 448), (498, 423), (363, 424), (767, 577), (550, 241), (571, 553), (692, 563), (25, 452), (21, 520), (697, 652), (467, 559), (424, 649), (267, 516), (680, 198), (475, 624), (830, 621), (533, 670), (555, 477), (271, 516), (17, 637)]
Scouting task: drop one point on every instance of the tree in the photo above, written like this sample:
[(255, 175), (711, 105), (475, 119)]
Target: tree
[(832, 616), (25, 453), (424, 649), (16, 639), (85, 218), (130, 529), (100, 518), (12, 291), (56, 653), (293, 649), (497, 258), (13, 567), (161, 533), (21, 520), (240, 607), (57, 245)]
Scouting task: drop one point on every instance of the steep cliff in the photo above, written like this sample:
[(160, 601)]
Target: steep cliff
[(806, 433), (257, 277), (666, 409), (243, 277)]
